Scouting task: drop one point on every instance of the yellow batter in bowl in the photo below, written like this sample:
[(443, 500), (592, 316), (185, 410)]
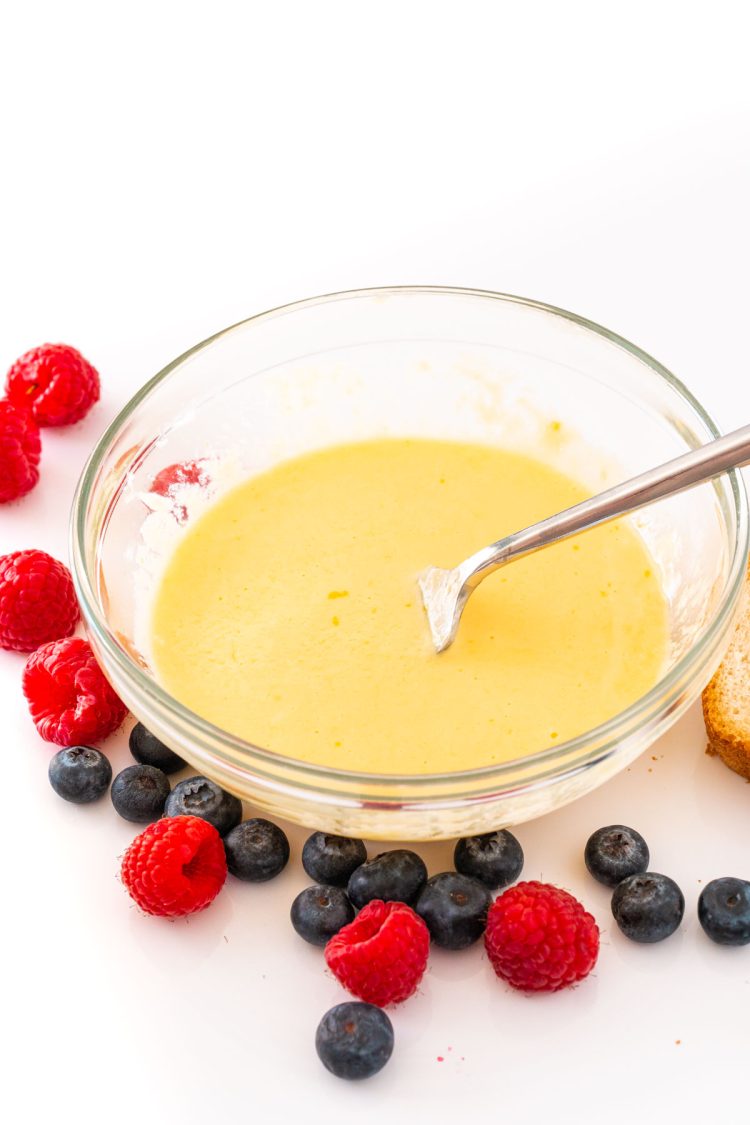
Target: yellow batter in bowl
[(289, 612)]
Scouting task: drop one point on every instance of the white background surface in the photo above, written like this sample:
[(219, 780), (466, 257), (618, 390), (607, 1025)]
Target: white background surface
[(171, 168)]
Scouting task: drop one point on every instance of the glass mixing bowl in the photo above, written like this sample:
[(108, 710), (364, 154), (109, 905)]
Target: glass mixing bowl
[(406, 361)]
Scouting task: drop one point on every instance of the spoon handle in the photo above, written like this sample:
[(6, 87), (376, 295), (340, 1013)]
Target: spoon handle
[(699, 465)]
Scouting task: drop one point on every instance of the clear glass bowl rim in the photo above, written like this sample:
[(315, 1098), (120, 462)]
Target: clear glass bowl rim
[(578, 753)]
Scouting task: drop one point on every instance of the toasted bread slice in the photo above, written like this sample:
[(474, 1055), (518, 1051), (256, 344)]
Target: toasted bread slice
[(726, 699)]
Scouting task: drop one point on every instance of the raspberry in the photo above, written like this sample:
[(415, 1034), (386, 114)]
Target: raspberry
[(57, 384), (37, 600), (176, 866), (174, 479), (539, 938), (69, 699), (20, 450), (381, 956)]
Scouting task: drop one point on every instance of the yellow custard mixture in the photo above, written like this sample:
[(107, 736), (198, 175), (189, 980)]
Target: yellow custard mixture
[(289, 613)]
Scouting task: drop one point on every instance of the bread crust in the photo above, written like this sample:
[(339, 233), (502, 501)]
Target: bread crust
[(726, 699)]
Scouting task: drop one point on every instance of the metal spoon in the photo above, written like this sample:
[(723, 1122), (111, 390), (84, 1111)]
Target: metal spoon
[(446, 592)]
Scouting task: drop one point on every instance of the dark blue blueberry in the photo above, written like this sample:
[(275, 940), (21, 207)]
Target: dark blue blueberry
[(80, 774), (149, 751), (354, 1040), (139, 792), (396, 876), (199, 796), (454, 908), (495, 859), (332, 859), (257, 850), (614, 852), (648, 907), (319, 912), (724, 911)]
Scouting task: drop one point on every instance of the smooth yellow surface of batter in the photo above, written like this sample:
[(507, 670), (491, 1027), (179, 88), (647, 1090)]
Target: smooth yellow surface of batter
[(289, 613)]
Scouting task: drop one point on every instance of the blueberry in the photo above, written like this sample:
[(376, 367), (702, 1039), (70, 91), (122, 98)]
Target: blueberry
[(724, 911), (80, 774), (199, 796), (614, 852), (257, 850), (319, 912), (648, 907), (139, 792), (396, 876), (354, 1040), (149, 751), (495, 859), (332, 859), (454, 908)]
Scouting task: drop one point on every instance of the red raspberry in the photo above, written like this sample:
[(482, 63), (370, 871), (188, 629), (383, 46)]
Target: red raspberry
[(539, 938), (380, 956), (70, 701), (173, 479), (176, 866), (55, 382), (37, 600), (20, 450)]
